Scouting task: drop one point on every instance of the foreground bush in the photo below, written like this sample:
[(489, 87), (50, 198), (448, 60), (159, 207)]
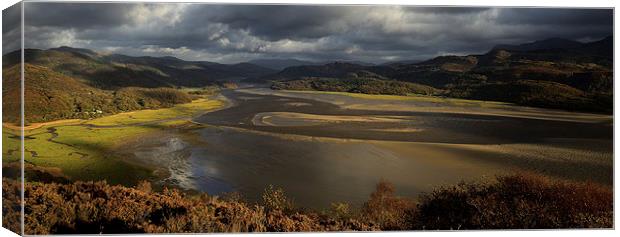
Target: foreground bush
[(386, 209), (515, 201), (96, 207)]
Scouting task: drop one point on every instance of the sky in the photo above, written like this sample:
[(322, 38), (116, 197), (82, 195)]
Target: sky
[(237, 33)]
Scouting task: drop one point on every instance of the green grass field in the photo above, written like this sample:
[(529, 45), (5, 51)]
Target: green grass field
[(150, 115), (85, 152)]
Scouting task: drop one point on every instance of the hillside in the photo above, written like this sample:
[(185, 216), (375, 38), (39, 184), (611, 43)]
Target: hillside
[(279, 64), (361, 82), (331, 70), (116, 70), (551, 43), (50, 95), (551, 73), (538, 93), (541, 68)]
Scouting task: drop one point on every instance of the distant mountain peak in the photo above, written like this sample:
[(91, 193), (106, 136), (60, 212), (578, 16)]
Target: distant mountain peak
[(353, 62), (545, 44), (171, 58), (75, 50), (280, 63)]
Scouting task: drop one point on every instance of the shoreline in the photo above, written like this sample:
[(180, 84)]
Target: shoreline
[(55, 143), (475, 155), (436, 105)]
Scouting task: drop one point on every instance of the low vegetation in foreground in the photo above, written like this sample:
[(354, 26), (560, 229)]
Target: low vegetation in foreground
[(519, 201)]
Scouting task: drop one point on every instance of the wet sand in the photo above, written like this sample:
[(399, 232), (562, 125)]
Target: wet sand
[(288, 119), (434, 105), (438, 127)]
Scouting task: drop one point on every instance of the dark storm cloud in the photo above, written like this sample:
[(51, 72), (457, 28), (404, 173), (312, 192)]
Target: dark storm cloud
[(447, 10), (78, 15), (232, 33), (565, 16), (11, 18), (276, 22), (11, 28)]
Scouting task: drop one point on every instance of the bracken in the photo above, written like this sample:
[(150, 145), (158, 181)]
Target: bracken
[(519, 201)]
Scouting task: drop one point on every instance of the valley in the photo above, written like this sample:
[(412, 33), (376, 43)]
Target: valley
[(345, 123), (123, 118), (242, 140), (316, 150)]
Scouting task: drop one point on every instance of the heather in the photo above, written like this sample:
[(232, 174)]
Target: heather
[(518, 201)]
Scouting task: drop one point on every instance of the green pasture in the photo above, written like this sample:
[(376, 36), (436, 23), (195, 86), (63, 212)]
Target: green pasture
[(86, 151)]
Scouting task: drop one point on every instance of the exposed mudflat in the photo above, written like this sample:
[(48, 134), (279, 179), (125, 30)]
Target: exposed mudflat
[(473, 127)]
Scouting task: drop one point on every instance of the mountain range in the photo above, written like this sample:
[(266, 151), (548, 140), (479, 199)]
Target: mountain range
[(280, 64), (552, 73), (110, 71)]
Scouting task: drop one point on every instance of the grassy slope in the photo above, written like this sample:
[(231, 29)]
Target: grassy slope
[(48, 95), (117, 71), (148, 115), (83, 152), (51, 96)]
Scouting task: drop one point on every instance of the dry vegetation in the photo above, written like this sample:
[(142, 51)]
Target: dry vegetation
[(514, 201)]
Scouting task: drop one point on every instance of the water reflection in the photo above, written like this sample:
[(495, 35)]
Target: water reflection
[(316, 172)]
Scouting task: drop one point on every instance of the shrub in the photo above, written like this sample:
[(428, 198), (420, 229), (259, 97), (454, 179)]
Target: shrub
[(341, 210), (275, 199), (386, 209), (522, 201), (11, 205), (144, 186)]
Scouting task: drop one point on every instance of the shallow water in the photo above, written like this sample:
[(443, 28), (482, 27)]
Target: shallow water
[(314, 172), (319, 165)]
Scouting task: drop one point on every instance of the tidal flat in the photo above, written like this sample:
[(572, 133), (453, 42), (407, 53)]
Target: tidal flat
[(321, 148), (325, 152)]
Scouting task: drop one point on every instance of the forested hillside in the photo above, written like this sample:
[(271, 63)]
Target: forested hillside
[(552, 73)]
